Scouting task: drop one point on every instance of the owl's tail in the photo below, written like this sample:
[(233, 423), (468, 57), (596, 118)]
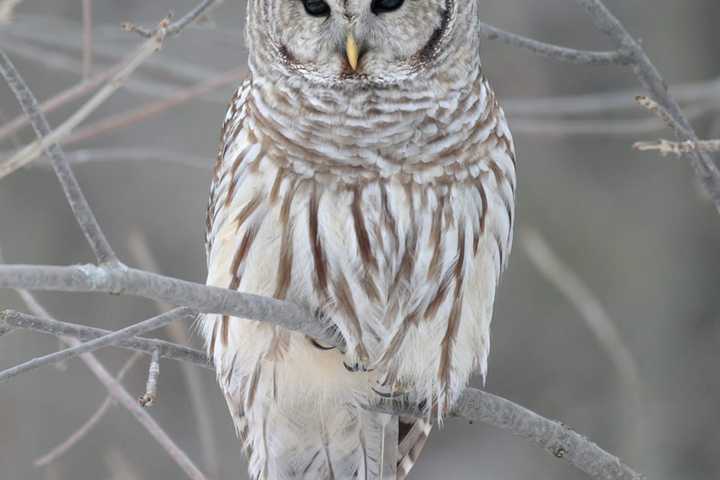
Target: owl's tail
[(300, 416)]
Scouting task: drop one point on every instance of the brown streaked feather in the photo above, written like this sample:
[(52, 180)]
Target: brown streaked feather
[(454, 319), (361, 233), (387, 216), (440, 295), (252, 386), (248, 210), (436, 233), (411, 445), (213, 338), (224, 331), (233, 177), (285, 262), (275, 190), (347, 306), (321, 267)]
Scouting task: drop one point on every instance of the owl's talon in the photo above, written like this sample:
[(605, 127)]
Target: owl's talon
[(388, 395)]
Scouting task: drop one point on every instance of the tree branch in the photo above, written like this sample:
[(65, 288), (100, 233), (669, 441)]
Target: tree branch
[(474, 405), (62, 448), (149, 398), (78, 203), (650, 78), (107, 340), (50, 326), (555, 52), (129, 281)]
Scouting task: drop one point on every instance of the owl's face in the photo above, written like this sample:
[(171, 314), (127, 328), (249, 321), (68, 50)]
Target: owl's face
[(358, 40)]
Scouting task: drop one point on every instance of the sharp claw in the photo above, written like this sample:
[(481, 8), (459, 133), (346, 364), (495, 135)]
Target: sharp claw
[(319, 346), (389, 395)]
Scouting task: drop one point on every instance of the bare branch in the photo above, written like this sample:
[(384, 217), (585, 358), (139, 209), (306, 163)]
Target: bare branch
[(554, 437), (143, 256), (582, 298), (61, 449), (50, 326), (48, 139), (87, 38), (89, 359), (106, 155), (111, 339), (649, 77), (555, 52), (149, 398), (129, 281), (78, 203), (149, 110), (474, 405), (666, 147), (705, 93), (148, 422)]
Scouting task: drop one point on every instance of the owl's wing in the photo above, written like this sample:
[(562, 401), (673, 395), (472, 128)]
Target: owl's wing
[(226, 170)]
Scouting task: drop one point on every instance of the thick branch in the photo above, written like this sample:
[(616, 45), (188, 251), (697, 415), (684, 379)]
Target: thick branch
[(129, 281), (475, 405)]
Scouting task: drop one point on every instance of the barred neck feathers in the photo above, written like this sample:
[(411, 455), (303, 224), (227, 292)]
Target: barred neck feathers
[(419, 131)]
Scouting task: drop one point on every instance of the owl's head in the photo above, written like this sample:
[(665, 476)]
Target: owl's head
[(358, 41)]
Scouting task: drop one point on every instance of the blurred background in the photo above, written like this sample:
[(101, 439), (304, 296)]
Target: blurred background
[(634, 232)]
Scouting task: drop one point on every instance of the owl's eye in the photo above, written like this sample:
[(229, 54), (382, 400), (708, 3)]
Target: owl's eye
[(316, 8), (383, 6)]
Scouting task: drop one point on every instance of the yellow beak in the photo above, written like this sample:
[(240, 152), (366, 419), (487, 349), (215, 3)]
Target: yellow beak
[(352, 51)]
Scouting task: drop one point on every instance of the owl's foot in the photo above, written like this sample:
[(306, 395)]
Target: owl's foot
[(403, 400), (357, 359)]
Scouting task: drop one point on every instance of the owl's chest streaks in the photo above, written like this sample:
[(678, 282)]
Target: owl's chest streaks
[(416, 131), (379, 248)]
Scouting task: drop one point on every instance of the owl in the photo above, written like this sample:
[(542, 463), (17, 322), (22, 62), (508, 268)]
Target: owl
[(366, 172)]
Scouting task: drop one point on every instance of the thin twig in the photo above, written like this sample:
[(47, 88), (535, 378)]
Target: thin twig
[(148, 422), (107, 340), (474, 405), (47, 140), (666, 147), (649, 76), (555, 52), (87, 38), (97, 368), (153, 155), (50, 326), (149, 398), (78, 203), (50, 139), (62, 448), (182, 95), (701, 93), (581, 297), (142, 254)]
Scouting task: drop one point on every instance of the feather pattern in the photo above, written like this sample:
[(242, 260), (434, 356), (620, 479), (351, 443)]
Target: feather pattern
[(389, 212)]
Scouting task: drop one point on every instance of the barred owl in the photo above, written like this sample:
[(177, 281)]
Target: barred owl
[(367, 173)]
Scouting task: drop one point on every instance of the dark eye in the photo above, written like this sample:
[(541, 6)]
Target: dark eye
[(316, 8), (382, 6)]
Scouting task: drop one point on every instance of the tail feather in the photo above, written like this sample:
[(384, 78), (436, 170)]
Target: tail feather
[(411, 444)]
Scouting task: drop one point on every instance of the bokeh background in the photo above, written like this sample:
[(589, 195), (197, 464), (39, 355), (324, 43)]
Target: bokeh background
[(634, 227)]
